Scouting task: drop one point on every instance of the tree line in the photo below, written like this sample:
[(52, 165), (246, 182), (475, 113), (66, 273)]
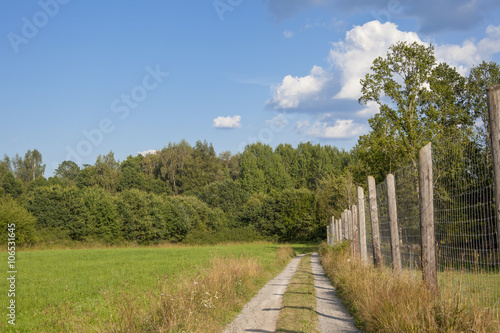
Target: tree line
[(179, 193), (189, 193)]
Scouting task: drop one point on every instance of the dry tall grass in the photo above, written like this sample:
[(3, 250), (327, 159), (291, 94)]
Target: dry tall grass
[(384, 302)]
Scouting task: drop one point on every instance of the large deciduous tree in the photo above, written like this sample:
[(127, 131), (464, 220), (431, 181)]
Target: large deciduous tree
[(419, 101)]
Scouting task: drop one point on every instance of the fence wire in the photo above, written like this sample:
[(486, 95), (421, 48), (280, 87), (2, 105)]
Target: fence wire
[(466, 223)]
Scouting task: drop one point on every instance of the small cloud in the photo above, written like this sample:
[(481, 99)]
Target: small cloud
[(279, 121), (343, 129), (227, 122), (288, 34), (295, 90), (148, 152), (301, 126)]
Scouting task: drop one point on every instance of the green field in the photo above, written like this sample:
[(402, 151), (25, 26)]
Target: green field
[(55, 283)]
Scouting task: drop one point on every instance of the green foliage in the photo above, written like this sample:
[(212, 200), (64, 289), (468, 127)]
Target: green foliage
[(67, 171), (227, 195), (243, 234), (30, 167), (101, 218), (131, 174), (198, 215), (12, 186), (106, 173), (11, 213), (59, 208)]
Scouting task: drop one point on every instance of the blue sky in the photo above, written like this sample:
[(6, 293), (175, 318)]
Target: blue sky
[(81, 78)]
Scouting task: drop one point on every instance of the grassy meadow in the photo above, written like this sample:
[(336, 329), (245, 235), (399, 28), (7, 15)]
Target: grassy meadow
[(132, 289)]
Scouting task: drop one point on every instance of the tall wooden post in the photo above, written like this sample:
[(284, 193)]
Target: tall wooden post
[(355, 234), (372, 197), (363, 252), (494, 113), (349, 225), (337, 230), (426, 197), (346, 224), (332, 231), (393, 223)]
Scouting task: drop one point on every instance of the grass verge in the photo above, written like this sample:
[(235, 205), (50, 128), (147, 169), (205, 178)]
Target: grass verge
[(139, 289), (298, 310), (383, 302)]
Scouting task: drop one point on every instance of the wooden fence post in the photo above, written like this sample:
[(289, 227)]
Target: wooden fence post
[(494, 113), (346, 225), (363, 252), (372, 197), (343, 225), (349, 225), (355, 234), (426, 196), (337, 230), (332, 231), (393, 223), (328, 234)]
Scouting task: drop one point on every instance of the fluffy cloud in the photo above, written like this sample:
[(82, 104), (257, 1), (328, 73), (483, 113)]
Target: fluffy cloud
[(227, 122), (354, 56), (470, 53), (343, 129), (351, 59), (330, 94), (295, 90)]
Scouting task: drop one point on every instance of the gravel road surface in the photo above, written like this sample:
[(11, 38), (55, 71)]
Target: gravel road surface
[(261, 313)]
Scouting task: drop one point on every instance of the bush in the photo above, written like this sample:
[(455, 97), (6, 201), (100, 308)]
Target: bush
[(59, 208), (12, 213), (199, 215), (244, 234), (100, 216)]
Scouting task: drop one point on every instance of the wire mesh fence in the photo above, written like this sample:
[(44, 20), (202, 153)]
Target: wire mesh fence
[(466, 225)]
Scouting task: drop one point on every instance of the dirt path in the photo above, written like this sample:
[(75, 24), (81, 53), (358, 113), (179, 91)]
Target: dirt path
[(333, 317), (261, 313)]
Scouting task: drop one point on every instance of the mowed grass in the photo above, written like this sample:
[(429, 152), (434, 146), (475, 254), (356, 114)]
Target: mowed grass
[(57, 285)]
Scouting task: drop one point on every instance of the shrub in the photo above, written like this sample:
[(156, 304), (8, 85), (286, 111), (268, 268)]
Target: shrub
[(99, 213), (59, 208), (12, 213), (244, 234)]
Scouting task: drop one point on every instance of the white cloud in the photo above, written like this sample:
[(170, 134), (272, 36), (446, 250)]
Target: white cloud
[(147, 152), (354, 56), (279, 121), (369, 111), (295, 90), (301, 126), (288, 34), (470, 53), (227, 122), (343, 129)]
